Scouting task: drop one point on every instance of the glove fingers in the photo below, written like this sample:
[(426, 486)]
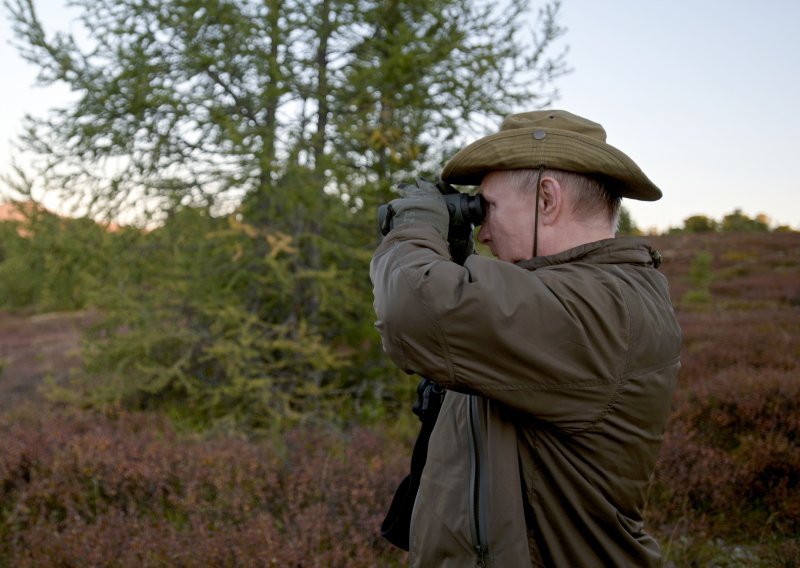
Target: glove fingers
[(406, 189), (427, 187), (420, 187)]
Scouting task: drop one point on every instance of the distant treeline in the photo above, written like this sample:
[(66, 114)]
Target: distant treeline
[(735, 222)]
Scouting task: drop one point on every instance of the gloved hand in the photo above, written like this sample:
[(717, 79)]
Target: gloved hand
[(421, 202)]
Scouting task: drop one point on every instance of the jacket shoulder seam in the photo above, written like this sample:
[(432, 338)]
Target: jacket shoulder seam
[(621, 376)]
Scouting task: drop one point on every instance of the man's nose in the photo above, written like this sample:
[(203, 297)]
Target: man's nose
[(483, 234)]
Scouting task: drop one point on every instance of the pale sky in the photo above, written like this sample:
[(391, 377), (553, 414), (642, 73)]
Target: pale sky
[(703, 94)]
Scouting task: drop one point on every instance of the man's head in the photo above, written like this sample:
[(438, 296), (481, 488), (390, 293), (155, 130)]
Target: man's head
[(565, 161), (573, 209)]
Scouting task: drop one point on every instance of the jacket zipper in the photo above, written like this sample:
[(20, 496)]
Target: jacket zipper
[(477, 501)]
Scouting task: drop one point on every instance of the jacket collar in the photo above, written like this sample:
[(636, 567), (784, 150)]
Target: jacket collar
[(623, 250)]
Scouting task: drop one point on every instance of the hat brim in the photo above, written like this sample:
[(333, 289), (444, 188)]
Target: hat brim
[(535, 147)]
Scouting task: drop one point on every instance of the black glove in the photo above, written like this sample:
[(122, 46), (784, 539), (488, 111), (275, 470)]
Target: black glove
[(424, 202), (421, 203)]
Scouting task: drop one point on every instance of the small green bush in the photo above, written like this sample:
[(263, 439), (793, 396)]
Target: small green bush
[(219, 323), (52, 263), (700, 277)]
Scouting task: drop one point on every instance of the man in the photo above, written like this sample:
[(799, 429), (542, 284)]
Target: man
[(559, 357)]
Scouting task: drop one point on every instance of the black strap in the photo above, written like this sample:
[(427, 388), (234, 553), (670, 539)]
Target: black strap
[(536, 215), (397, 524)]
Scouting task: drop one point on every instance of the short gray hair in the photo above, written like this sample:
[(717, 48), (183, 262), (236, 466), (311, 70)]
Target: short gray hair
[(589, 193)]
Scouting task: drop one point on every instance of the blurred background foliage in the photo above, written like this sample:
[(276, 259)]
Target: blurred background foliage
[(245, 145)]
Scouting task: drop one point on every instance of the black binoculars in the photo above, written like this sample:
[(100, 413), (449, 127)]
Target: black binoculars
[(465, 210)]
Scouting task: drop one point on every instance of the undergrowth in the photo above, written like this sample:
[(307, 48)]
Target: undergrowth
[(88, 490), (81, 488)]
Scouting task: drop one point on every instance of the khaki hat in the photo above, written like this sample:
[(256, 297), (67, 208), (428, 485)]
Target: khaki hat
[(553, 139)]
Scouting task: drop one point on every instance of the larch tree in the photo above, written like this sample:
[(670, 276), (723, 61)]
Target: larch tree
[(284, 122)]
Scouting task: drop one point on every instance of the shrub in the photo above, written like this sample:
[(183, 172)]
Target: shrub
[(218, 323), (700, 277), (79, 490), (52, 263), (732, 452), (699, 224)]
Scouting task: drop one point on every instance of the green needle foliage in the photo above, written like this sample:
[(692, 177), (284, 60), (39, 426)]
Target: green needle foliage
[(203, 320), (207, 102), (251, 141), (50, 263)]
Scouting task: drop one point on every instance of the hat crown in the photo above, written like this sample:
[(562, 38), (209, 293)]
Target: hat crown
[(555, 120), (552, 139)]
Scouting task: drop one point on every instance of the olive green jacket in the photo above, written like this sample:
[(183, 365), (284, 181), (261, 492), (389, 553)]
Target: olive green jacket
[(559, 373)]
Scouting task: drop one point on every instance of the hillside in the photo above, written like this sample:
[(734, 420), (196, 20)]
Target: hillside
[(726, 491)]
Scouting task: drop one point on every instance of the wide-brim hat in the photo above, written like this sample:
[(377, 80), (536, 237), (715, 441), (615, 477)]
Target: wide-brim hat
[(553, 139)]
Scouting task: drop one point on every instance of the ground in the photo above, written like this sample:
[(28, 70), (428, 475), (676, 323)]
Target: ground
[(35, 347)]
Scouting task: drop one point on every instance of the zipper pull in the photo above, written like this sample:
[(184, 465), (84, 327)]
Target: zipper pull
[(481, 550)]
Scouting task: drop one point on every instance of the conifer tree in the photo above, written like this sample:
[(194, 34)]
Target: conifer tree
[(259, 135), (189, 101)]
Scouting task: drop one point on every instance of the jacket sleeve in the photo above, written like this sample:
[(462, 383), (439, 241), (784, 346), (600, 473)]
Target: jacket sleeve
[(550, 342)]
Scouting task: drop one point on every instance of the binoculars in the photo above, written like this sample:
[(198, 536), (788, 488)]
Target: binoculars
[(465, 210)]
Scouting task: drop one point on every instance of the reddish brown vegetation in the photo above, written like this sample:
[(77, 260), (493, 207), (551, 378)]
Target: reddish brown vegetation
[(91, 491), (88, 490), (730, 465)]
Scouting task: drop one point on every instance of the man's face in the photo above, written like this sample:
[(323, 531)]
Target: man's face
[(508, 227)]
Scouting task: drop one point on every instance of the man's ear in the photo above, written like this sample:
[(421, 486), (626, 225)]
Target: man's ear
[(551, 200)]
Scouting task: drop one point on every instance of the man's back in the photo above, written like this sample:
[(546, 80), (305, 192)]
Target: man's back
[(578, 354)]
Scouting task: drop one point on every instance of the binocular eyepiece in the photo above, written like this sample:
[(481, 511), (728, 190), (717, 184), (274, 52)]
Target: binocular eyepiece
[(465, 211)]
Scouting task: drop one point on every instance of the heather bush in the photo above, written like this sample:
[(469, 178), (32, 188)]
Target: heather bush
[(761, 339), (731, 454), (727, 487), (82, 490)]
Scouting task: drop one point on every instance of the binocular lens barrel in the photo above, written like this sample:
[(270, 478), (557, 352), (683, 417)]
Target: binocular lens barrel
[(464, 210)]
